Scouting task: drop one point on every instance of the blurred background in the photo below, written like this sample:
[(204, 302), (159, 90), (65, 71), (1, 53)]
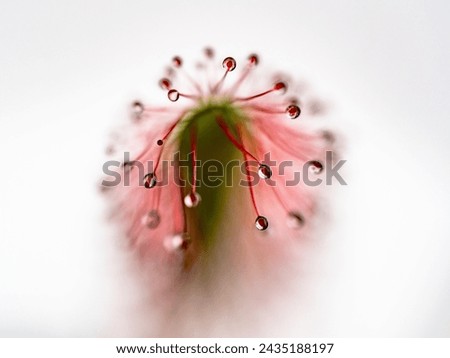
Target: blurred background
[(68, 71)]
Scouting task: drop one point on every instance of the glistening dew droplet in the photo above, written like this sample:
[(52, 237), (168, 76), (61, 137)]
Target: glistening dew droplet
[(150, 180), (177, 61), (177, 242), (192, 199), (261, 223), (173, 95), (316, 166), (165, 83), (293, 111), (264, 171), (253, 59), (280, 86), (229, 64)]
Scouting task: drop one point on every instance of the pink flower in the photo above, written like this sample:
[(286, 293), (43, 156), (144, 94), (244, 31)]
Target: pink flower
[(211, 190)]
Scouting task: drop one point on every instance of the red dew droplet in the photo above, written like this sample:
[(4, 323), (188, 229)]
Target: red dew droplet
[(280, 86), (160, 142), (253, 59), (229, 64), (293, 111), (177, 61), (316, 166), (261, 223), (173, 95), (165, 83)]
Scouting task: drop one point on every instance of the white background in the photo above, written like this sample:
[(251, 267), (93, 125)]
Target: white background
[(67, 72)]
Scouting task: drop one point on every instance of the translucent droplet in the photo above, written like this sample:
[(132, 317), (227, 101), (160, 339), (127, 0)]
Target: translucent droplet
[(192, 199), (152, 219), (165, 83), (150, 180), (229, 64), (177, 61), (209, 52), (173, 95), (261, 223), (253, 59), (295, 220), (264, 171), (280, 86), (160, 142), (177, 242), (316, 166), (137, 108), (293, 111)]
